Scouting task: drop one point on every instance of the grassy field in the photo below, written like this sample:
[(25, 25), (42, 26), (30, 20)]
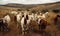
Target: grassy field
[(50, 30)]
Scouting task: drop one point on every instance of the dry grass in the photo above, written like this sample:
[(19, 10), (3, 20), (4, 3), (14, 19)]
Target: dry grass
[(15, 31)]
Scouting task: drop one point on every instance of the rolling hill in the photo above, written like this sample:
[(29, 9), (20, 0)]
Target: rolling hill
[(38, 7)]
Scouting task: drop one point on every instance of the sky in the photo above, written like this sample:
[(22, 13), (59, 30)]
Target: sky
[(27, 1)]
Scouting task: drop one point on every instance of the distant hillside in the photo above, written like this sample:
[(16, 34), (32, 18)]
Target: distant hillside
[(36, 7), (15, 5), (48, 6)]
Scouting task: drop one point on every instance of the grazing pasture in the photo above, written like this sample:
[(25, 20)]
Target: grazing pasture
[(51, 28)]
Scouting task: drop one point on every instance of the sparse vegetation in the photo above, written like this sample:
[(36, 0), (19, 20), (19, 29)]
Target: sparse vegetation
[(38, 8), (56, 10), (44, 10)]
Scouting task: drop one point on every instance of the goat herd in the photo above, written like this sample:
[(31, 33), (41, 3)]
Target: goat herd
[(25, 21)]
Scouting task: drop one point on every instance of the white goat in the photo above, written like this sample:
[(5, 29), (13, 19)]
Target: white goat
[(14, 12), (7, 19)]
